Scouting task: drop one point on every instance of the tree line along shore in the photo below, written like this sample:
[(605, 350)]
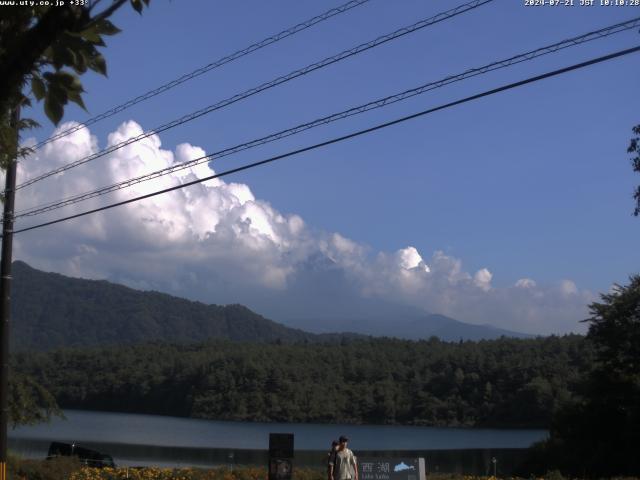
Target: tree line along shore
[(500, 383)]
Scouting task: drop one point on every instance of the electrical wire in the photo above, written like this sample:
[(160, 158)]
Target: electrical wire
[(207, 68), (267, 85), (343, 138), (379, 103)]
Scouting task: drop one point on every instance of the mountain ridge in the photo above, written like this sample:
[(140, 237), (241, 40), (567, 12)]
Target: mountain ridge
[(51, 310), (408, 327)]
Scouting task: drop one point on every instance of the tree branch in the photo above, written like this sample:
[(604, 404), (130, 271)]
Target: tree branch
[(26, 49), (106, 13)]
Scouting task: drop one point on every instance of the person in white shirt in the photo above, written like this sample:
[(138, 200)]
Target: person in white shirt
[(344, 465)]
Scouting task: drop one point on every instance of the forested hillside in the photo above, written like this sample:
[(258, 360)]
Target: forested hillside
[(53, 311), (506, 382)]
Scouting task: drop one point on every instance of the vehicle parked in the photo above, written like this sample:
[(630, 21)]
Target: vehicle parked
[(87, 456)]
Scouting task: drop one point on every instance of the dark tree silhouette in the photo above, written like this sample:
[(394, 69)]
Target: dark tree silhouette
[(598, 433), (46, 48)]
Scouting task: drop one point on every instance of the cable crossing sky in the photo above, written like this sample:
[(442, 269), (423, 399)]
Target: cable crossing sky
[(267, 85), (379, 103), (207, 68), (358, 133)]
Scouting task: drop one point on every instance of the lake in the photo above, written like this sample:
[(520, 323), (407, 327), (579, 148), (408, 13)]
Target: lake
[(134, 439)]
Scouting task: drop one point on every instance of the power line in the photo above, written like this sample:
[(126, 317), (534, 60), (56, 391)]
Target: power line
[(379, 103), (207, 68), (345, 137), (267, 85)]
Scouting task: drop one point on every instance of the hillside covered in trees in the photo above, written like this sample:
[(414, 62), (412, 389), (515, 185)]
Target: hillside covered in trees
[(53, 311), (506, 382)]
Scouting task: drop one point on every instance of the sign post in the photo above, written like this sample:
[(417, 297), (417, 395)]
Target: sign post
[(280, 456)]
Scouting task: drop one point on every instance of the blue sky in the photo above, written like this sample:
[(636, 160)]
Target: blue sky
[(532, 183)]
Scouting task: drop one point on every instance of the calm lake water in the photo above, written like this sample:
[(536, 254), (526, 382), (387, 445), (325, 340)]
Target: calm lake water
[(157, 440)]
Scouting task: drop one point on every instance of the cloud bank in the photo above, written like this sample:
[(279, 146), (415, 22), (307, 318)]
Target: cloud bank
[(215, 242)]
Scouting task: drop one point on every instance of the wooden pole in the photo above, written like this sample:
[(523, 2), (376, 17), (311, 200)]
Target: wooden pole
[(5, 294)]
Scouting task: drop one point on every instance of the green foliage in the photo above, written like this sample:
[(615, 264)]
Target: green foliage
[(53, 311), (289, 375), (55, 469), (46, 48), (615, 330), (29, 402), (506, 382), (70, 469), (598, 433), (634, 149)]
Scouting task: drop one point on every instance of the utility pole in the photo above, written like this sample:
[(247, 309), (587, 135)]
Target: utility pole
[(5, 292)]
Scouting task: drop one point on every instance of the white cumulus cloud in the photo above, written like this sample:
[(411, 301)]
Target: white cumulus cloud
[(568, 287), (409, 258), (526, 283), (482, 279), (216, 242)]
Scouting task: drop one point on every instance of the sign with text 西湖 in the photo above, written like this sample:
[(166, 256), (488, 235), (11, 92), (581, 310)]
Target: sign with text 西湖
[(383, 468)]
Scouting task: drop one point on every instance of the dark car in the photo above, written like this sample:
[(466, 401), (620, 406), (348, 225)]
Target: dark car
[(91, 458)]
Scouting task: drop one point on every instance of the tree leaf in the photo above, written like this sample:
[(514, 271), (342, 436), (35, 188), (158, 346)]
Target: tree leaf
[(137, 5), (105, 27), (81, 63), (82, 50), (27, 124), (57, 57), (76, 98), (76, 85), (63, 55), (98, 64), (92, 36), (38, 87), (58, 93), (53, 109), (48, 53), (63, 79)]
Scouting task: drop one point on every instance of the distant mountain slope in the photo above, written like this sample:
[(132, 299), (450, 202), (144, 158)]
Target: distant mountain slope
[(51, 310), (407, 325)]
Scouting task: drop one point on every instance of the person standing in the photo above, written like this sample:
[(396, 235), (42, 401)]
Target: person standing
[(331, 458), (344, 465)]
